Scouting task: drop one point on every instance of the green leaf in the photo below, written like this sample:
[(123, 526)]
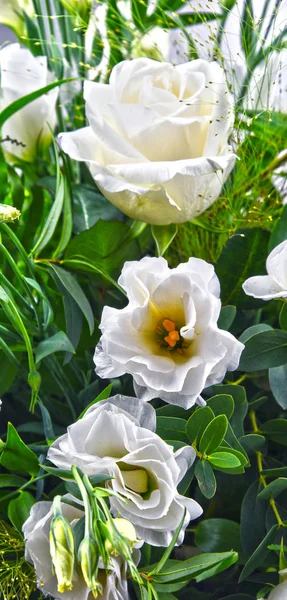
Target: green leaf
[(276, 430), (224, 460), (252, 521), (222, 404), (260, 554), (52, 220), (198, 422), (104, 395), (90, 206), (100, 249), (205, 478), (19, 509), (198, 567), (264, 350), (69, 282), (277, 472), (278, 384), (58, 342), (248, 35), (218, 535), (250, 331), (243, 256), (170, 428), (213, 435), (273, 489), (161, 563), (226, 317), (62, 473), (16, 456), (24, 100), (279, 233), (139, 10), (67, 225), (47, 424), (283, 317), (7, 481), (252, 442), (163, 236)]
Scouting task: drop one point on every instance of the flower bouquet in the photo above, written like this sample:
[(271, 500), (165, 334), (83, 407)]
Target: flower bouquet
[(143, 288)]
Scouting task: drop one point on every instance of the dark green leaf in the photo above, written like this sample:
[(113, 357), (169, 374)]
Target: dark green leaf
[(213, 435), (273, 489), (253, 442), (59, 342), (196, 567), (170, 428), (51, 221), (278, 384), (16, 456), (90, 206), (71, 285), (205, 478), (279, 233), (264, 350), (222, 404), (283, 317), (243, 256), (11, 481), (252, 519), (248, 35), (226, 317), (276, 430), (248, 333), (259, 555), (198, 422), (19, 509), (218, 535)]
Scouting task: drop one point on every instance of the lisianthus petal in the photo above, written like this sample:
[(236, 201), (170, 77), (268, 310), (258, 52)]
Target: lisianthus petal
[(263, 286)]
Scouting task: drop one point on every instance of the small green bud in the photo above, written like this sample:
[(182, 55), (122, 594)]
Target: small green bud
[(62, 548), (89, 559), (8, 213), (34, 380), (123, 542)]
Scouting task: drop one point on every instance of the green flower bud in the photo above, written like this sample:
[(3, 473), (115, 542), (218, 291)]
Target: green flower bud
[(123, 543), (62, 552), (34, 380), (89, 558), (8, 213)]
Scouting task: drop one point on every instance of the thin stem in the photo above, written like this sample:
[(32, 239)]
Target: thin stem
[(259, 456), (24, 486)]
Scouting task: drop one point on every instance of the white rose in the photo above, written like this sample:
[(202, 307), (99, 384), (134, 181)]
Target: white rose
[(11, 14), (273, 285), (37, 551), (116, 436), (167, 336), (157, 143), (21, 74)]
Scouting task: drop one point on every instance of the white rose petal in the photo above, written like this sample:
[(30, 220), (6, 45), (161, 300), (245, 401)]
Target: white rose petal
[(273, 285), (37, 551), (145, 469), (135, 339), (157, 141), (30, 127)]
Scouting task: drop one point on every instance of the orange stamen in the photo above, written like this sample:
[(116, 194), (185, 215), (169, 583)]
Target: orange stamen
[(174, 335), (168, 325), (170, 341)]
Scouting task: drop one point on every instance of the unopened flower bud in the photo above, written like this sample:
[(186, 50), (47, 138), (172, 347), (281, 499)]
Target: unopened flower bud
[(62, 552), (89, 558), (118, 545), (8, 213), (34, 380)]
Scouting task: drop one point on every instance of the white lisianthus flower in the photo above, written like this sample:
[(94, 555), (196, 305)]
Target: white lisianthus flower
[(273, 285), (21, 74), (37, 551), (157, 143), (11, 14), (116, 436), (167, 336)]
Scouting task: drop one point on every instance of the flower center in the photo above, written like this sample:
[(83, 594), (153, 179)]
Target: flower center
[(168, 337)]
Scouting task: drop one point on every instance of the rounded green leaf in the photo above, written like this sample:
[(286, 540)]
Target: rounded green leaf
[(213, 435)]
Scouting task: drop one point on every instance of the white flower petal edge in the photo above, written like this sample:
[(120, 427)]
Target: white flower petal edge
[(173, 366), (21, 74), (273, 285), (37, 551), (157, 141), (116, 436), (279, 592)]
